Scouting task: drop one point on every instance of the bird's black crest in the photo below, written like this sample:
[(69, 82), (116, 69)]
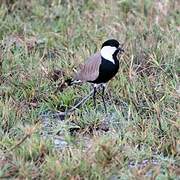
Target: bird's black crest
[(111, 42)]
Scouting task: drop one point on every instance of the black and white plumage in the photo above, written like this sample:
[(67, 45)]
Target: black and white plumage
[(100, 67)]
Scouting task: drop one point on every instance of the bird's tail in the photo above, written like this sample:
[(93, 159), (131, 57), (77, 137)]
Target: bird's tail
[(71, 82)]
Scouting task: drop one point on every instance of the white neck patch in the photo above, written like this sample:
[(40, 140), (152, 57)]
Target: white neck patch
[(107, 53)]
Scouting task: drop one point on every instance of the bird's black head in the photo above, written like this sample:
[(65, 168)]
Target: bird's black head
[(110, 49), (111, 42)]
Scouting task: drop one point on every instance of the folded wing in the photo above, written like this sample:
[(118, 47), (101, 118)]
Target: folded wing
[(90, 70)]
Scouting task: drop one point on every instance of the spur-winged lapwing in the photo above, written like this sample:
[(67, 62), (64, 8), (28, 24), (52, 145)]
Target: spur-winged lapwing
[(100, 67)]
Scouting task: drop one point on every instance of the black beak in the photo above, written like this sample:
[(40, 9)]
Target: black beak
[(120, 50)]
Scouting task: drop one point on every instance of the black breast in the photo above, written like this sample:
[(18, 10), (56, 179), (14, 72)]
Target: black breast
[(107, 70)]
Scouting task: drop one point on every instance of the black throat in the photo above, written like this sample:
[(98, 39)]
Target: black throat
[(115, 55)]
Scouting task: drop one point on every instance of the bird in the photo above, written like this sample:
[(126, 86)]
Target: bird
[(99, 68)]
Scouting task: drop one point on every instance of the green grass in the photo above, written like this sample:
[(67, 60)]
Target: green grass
[(39, 38)]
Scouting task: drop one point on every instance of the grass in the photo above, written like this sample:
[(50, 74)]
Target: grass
[(42, 43)]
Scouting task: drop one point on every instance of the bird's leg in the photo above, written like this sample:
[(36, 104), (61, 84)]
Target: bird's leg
[(102, 95), (94, 95)]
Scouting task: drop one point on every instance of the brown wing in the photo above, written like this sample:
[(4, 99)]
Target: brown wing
[(90, 70)]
